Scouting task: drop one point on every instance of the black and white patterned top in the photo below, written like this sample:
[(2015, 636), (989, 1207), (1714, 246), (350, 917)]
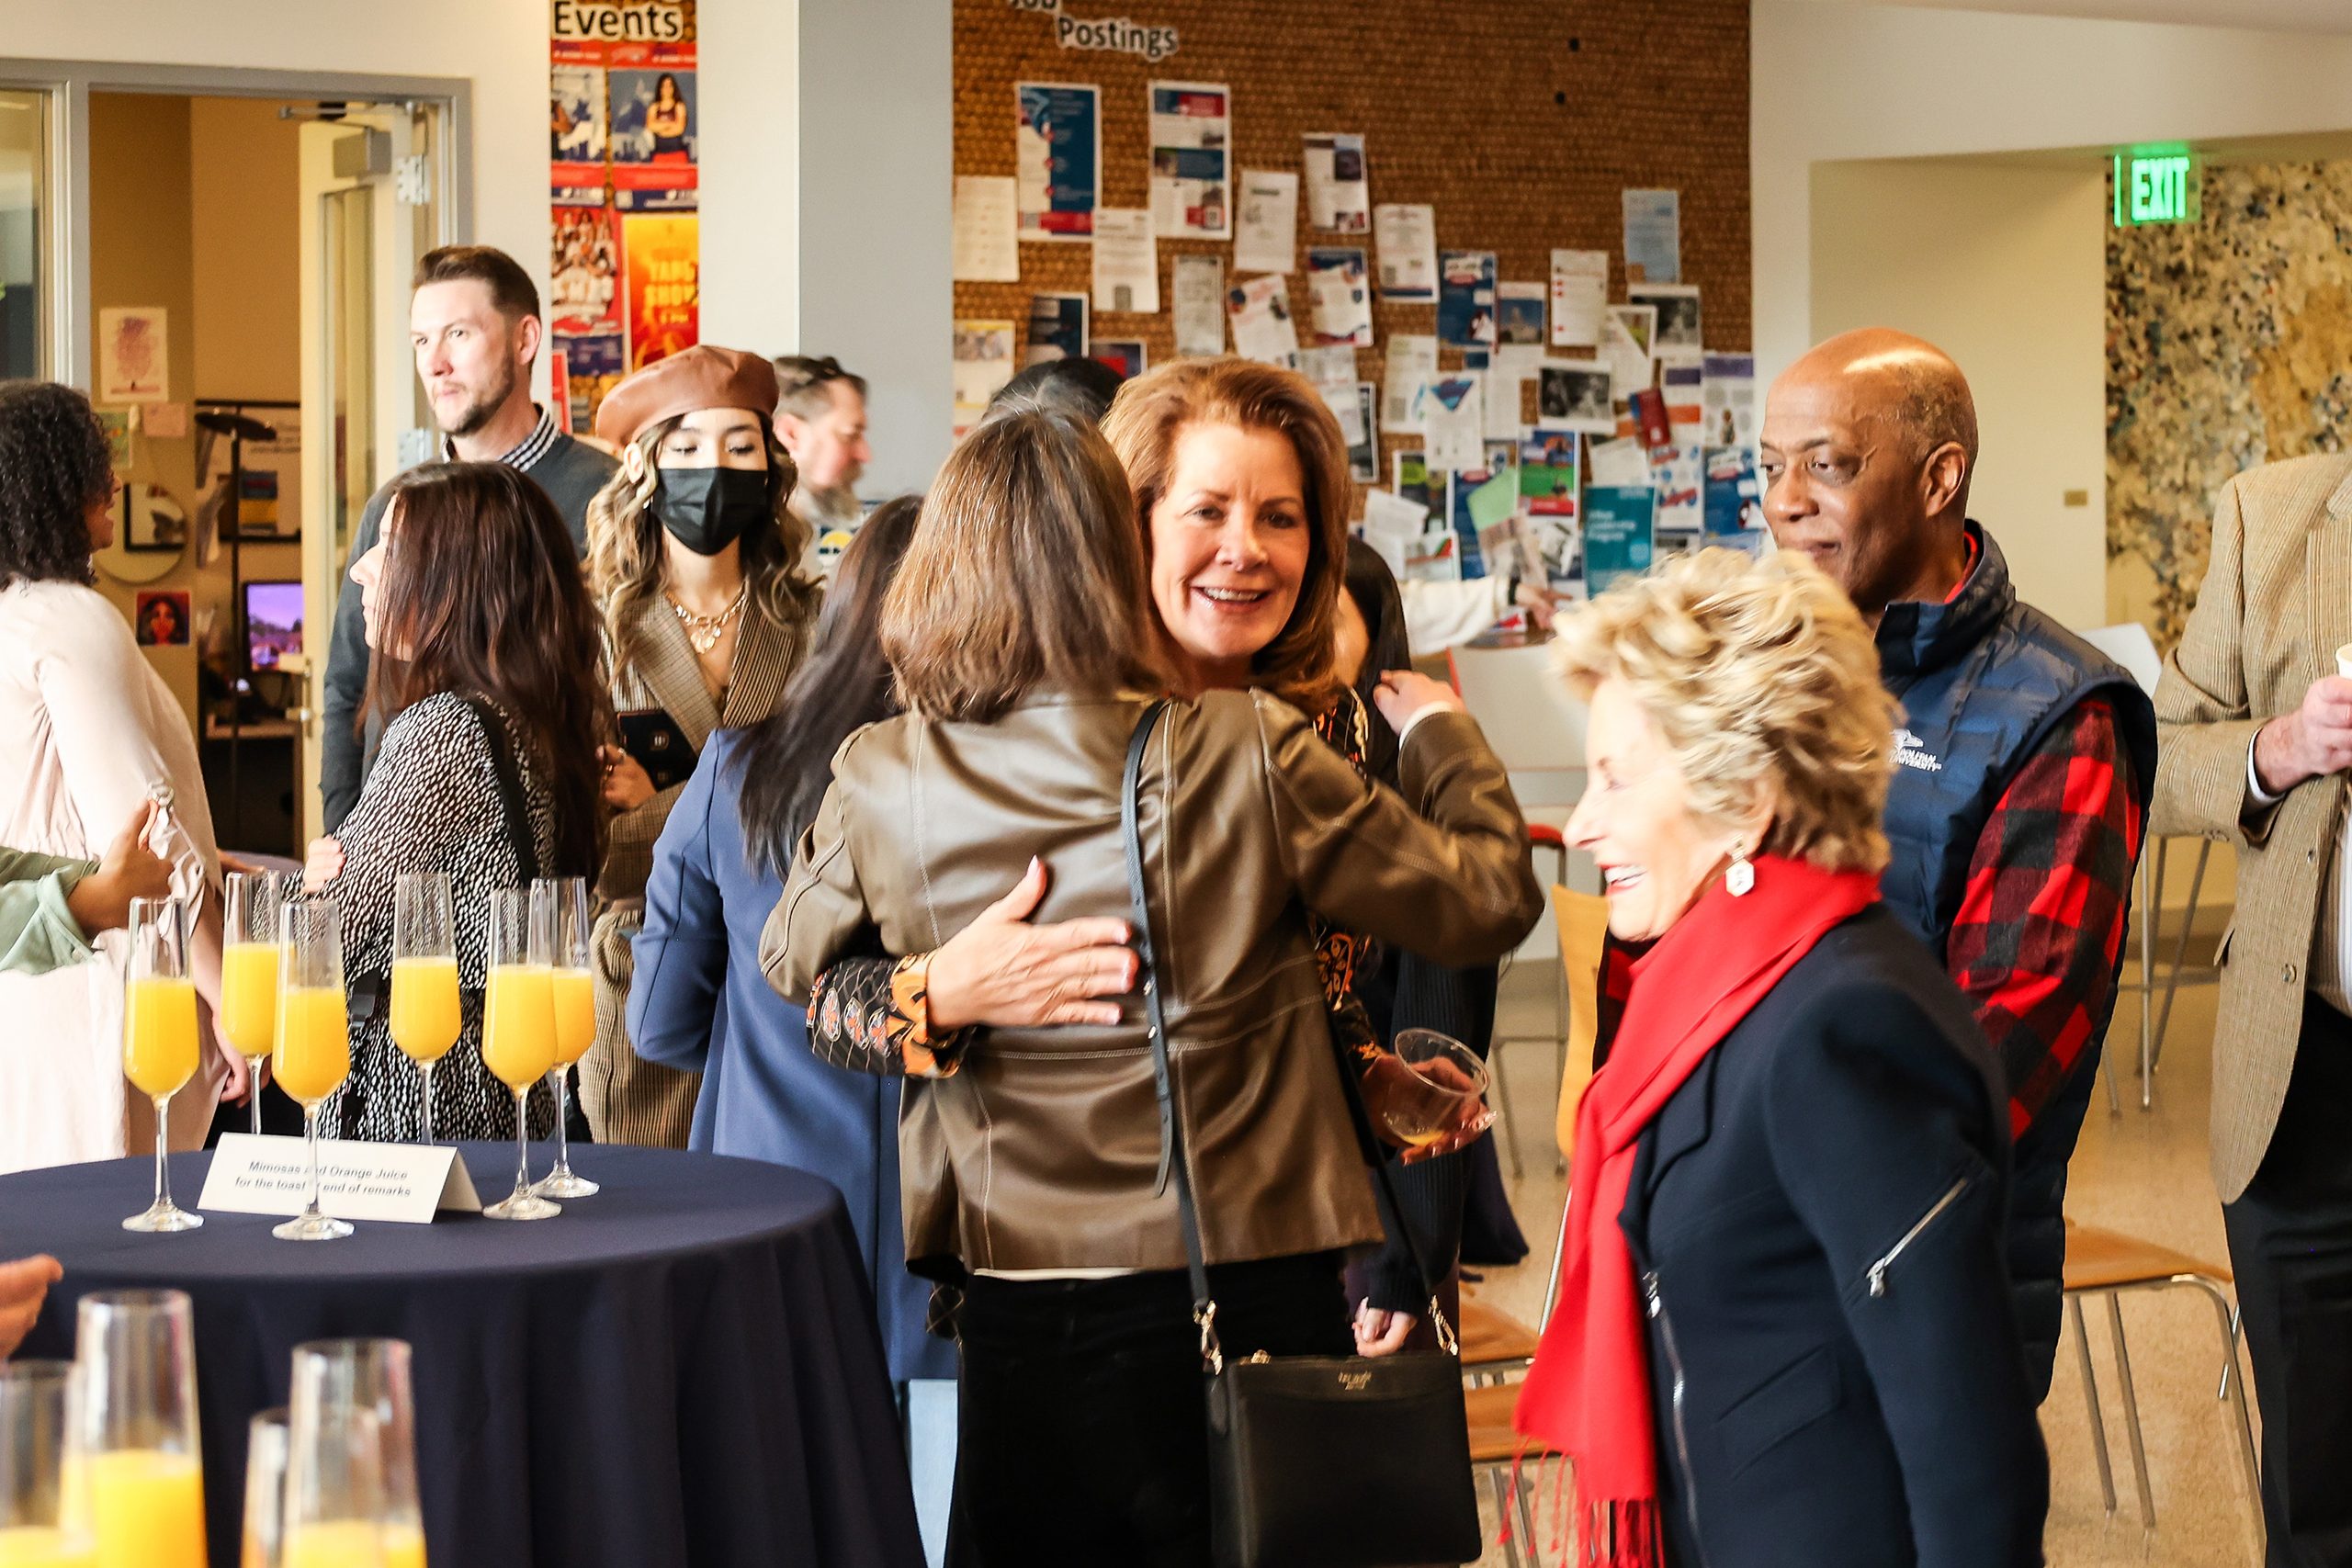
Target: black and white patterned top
[(431, 803)]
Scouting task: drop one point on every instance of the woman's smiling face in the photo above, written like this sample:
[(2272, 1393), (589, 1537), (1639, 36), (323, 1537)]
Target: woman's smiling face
[(1230, 546)]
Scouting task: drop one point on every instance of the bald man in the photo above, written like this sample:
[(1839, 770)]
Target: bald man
[(2026, 758)]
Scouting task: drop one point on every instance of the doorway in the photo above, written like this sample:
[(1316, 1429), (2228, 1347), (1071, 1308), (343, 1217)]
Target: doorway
[(246, 236)]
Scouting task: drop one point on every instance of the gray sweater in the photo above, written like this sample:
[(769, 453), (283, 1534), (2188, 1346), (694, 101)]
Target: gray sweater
[(572, 472)]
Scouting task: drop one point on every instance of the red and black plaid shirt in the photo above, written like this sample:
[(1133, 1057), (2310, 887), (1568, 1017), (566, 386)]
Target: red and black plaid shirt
[(2038, 936)]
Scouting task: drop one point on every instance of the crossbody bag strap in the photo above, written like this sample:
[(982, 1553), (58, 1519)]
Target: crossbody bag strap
[(1172, 1166), (519, 836)]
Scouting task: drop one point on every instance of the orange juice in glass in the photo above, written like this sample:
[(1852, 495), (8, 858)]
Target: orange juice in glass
[(148, 1506), (44, 1546), (313, 1055), (426, 1017), (248, 1015), (518, 1023), (135, 1470), (575, 1021), (160, 1049)]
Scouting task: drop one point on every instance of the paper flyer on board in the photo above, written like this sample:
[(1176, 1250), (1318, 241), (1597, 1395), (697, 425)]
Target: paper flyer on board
[(1057, 328), (1735, 503), (986, 247), (1452, 422), (1618, 532), (1730, 400), (1191, 169), (1267, 237), (1126, 262), (1339, 283), (1579, 295), (1126, 355), (1618, 461), (1339, 193), (1412, 365), (1410, 478), (983, 365), (1653, 236), (1519, 314), (1364, 456), (1575, 394), (1461, 487), (1057, 158), (1678, 312), (1258, 309), (1404, 240), (1547, 473), (1626, 334), (1198, 283), (1465, 298)]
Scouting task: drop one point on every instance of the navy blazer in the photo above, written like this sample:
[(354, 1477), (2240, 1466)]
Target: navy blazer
[(1817, 1219), (700, 1003)]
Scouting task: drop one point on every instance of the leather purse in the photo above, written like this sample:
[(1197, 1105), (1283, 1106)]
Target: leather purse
[(1315, 1462)]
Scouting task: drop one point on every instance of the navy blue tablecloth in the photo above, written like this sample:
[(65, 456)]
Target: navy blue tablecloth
[(679, 1370)]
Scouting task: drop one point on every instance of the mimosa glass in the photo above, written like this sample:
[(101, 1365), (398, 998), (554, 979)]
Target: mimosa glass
[(371, 1377), (43, 1524), (425, 1017), (248, 1017), (334, 1494), (135, 1427), (314, 1038), (159, 1039), (574, 989), (518, 1024), (264, 1532)]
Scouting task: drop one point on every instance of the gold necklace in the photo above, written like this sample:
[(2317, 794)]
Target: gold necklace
[(703, 632)]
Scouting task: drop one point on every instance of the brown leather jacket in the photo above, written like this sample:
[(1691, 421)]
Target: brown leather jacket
[(1042, 1151)]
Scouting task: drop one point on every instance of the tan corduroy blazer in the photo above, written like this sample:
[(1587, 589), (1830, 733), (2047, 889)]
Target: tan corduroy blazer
[(2276, 605), (627, 1098)]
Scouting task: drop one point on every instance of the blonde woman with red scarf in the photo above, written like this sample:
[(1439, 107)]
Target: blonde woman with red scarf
[(1783, 1335)]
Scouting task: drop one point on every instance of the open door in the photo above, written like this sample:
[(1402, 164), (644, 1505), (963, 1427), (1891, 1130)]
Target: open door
[(372, 203)]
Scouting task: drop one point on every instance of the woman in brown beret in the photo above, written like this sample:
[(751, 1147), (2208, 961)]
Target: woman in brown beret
[(694, 556)]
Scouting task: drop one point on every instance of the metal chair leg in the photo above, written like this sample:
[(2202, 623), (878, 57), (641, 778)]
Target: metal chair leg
[(1527, 1511), (1500, 1486), (1506, 1125), (2226, 1311), (2147, 989), (2090, 1400), (2180, 945), (2130, 1410), (2107, 1071)]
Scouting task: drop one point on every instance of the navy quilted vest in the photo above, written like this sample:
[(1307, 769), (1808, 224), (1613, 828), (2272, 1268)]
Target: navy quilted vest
[(1981, 681)]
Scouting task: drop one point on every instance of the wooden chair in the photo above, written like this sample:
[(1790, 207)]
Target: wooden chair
[(2108, 1263), (1506, 1345)]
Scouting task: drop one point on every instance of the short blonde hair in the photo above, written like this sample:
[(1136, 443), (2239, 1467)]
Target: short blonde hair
[(1763, 682)]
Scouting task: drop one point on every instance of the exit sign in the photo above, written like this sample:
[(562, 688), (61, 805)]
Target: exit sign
[(2158, 184)]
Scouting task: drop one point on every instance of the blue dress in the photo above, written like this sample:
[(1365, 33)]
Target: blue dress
[(700, 1003)]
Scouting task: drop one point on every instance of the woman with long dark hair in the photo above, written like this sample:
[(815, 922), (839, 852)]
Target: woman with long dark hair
[(488, 678)]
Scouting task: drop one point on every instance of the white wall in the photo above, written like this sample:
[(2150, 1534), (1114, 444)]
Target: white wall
[(2005, 268), (748, 62)]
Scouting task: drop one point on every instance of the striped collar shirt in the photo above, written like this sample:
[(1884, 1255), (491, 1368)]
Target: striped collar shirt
[(529, 450)]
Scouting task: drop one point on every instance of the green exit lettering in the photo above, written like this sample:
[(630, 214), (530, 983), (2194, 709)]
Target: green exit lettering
[(2157, 187)]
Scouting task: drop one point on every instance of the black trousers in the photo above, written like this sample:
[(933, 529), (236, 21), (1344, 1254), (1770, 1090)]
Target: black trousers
[(1082, 1432), (2291, 1245)]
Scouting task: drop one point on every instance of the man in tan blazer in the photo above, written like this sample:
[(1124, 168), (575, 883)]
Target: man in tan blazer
[(2257, 730)]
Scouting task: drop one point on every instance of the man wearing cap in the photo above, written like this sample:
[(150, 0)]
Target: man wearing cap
[(474, 323), (694, 553)]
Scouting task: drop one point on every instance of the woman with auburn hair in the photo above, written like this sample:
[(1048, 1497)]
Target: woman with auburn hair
[(693, 552), (1028, 650), (1783, 1259), (488, 677)]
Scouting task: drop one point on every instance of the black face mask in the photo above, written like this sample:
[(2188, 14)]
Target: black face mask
[(708, 509)]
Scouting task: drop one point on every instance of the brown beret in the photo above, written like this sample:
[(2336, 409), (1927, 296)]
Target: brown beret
[(702, 376)]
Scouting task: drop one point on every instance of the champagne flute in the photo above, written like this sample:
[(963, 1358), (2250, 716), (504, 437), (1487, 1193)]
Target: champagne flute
[(370, 1376), (136, 1428), (43, 1521), (334, 1494), (573, 989), (264, 1531), (313, 1037), (159, 1044), (248, 1016), (518, 1025), (425, 1018)]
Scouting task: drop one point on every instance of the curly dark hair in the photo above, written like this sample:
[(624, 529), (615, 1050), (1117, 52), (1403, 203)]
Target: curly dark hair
[(54, 465)]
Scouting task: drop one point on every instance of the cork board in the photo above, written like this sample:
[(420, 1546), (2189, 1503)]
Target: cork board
[(1519, 124)]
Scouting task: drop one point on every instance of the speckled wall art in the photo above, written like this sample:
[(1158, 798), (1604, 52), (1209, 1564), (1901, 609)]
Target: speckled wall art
[(2229, 343)]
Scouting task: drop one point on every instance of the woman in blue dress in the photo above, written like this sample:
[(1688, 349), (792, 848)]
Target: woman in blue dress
[(699, 1002)]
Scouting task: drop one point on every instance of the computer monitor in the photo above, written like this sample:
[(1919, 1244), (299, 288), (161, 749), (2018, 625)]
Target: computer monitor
[(273, 623)]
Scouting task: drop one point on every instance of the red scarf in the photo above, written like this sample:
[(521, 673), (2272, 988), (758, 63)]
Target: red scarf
[(1589, 1393)]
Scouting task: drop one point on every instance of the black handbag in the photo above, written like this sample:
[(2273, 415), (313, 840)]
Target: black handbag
[(1315, 1462)]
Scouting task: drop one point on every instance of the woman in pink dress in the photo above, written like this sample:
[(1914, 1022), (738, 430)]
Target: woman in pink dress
[(90, 731)]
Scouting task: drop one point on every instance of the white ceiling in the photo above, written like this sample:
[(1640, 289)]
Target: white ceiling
[(2280, 15)]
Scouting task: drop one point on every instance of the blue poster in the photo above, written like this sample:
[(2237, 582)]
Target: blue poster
[(1618, 532), (1460, 485), (1057, 328), (1465, 298), (1057, 159)]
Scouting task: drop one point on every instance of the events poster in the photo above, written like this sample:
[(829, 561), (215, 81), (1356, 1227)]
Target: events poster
[(983, 365), (664, 261), (1192, 160), (1341, 285), (1465, 298), (624, 135), (1057, 159)]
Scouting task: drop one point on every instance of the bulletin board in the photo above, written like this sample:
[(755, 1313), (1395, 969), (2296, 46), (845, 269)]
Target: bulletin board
[(1521, 124)]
